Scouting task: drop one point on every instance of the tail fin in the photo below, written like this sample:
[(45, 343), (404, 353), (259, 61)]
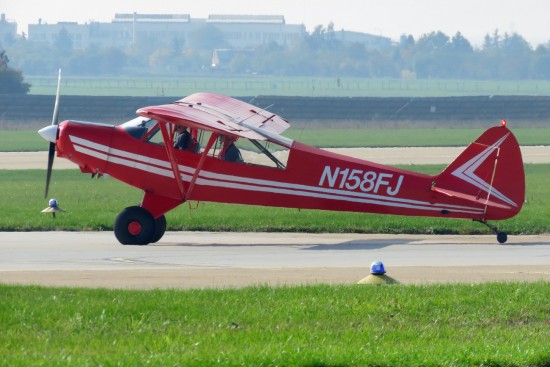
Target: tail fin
[(489, 172)]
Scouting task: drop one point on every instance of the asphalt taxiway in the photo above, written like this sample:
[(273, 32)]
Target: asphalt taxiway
[(228, 260)]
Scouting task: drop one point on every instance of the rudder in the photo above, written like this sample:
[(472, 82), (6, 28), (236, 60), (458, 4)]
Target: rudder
[(490, 172)]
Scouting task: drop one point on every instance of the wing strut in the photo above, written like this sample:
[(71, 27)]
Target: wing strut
[(172, 157), (209, 144)]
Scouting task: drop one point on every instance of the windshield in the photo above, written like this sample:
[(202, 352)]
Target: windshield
[(141, 127)]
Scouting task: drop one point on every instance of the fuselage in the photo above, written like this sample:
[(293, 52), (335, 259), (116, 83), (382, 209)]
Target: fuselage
[(312, 179)]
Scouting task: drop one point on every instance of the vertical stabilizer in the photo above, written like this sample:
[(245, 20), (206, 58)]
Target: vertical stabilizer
[(489, 171)]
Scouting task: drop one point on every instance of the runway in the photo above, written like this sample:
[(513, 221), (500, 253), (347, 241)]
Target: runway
[(229, 260), (406, 155)]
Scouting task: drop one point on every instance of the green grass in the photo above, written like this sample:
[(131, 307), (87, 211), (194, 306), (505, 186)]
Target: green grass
[(29, 140), (406, 137), (93, 205), (496, 324), (22, 141), (285, 86)]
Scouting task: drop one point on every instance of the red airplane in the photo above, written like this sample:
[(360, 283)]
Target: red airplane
[(486, 182)]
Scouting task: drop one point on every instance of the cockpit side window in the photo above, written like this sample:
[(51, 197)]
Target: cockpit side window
[(136, 132), (253, 152), (264, 153)]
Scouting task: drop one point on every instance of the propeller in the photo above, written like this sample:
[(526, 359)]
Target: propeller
[(51, 133)]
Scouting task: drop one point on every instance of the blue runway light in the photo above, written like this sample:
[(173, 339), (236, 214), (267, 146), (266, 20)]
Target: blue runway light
[(377, 268)]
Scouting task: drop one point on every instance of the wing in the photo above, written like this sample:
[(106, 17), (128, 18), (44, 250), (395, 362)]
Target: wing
[(222, 114), (239, 111)]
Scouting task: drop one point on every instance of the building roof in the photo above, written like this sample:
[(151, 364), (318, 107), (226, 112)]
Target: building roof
[(225, 18), (164, 18)]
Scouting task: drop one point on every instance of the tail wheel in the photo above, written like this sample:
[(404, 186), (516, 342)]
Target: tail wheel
[(502, 237), (160, 228), (135, 226)]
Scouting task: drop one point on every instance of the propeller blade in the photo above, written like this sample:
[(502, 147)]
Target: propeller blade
[(55, 116), (51, 155), (55, 122)]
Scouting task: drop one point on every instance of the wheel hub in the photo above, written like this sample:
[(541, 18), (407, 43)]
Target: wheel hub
[(134, 228)]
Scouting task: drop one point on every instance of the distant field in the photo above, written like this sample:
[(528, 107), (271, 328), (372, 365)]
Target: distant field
[(287, 86), (12, 140)]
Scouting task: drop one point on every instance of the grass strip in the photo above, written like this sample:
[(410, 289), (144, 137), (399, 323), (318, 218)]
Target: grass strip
[(29, 140), (495, 324), (406, 137), (254, 85), (93, 205)]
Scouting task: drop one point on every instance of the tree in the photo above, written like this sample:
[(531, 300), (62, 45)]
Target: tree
[(434, 41), (113, 60), (515, 45), (240, 63), (433, 56), (460, 57), (323, 38), (63, 44), (461, 44), (541, 63), (176, 46), (404, 55), (517, 57), (492, 42), (318, 53), (11, 80), (96, 61), (207, 37), (159, 59)]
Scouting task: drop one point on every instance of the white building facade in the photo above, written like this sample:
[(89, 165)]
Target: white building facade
[(8, 28), (239, 31)]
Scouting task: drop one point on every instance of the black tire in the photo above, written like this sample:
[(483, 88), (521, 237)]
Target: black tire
[(134, 226), (160, 228), (502, 237)]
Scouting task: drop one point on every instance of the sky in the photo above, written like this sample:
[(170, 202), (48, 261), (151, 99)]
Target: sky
[(390, 18)]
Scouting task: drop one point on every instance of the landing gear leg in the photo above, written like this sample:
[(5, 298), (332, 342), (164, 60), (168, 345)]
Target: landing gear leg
[(502, 237)]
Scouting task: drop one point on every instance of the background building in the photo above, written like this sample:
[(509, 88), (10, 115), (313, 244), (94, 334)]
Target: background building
[(239, 31), (8, 29)]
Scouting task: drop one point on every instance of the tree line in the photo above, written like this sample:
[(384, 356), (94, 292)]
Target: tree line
[(11, 80), (319, 53)]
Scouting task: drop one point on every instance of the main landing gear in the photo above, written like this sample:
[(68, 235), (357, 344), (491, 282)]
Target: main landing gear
[(502, 237), (136, 226)]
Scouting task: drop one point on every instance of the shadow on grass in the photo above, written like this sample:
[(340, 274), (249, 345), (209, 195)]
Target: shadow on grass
[(354, 245), (357, 245), (526, 244)]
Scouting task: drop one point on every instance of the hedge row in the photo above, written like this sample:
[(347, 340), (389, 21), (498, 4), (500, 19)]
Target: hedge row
[(21, 108)]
